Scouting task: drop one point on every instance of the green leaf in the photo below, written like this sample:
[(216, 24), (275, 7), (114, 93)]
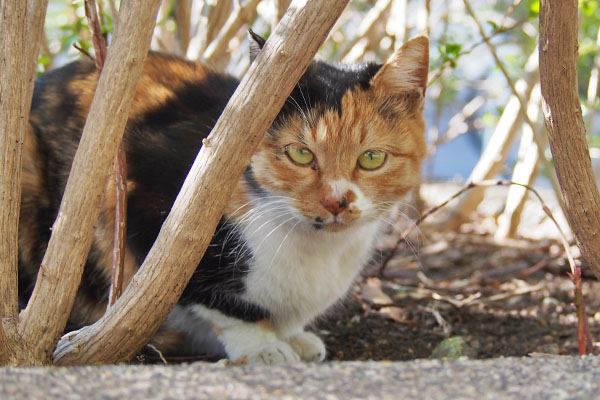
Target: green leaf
[(449, 53), (84, 45), (44, 60), (533, 6), (588, 7), (453, 49)]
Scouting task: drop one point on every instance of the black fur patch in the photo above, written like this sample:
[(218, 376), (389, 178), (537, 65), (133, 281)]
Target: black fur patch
[(323, 86)]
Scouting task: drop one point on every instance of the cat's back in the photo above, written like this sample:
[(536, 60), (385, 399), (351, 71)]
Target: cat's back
[(62, 97), (175, 106)]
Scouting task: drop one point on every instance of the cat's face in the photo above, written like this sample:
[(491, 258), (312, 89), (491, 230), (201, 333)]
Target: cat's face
[(348, 157)]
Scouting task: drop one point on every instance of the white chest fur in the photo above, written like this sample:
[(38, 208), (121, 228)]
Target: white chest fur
[(298, 272)]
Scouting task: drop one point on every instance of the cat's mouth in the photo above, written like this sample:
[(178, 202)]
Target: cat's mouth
[(332, 226)]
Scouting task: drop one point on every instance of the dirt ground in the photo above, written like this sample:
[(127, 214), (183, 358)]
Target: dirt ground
[(509, 300), (499, 299)]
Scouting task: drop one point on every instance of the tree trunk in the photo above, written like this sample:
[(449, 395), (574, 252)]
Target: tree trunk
[(43, 321), (184, 236), (22, 23), (566, 131)]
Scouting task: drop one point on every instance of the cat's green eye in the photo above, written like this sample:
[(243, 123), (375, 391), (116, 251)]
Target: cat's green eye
[(371, 159), (299, 155)]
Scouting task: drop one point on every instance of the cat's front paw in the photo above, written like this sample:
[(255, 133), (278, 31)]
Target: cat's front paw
[(308, 346), (272, 353)]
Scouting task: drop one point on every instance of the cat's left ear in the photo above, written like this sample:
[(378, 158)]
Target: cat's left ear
[(256, 43), (406, 70)]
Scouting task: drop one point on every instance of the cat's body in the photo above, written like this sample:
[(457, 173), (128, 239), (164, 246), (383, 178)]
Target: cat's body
[(301, 222)]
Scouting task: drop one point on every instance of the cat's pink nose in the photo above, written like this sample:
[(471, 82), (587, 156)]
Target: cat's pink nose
[(335, 205)]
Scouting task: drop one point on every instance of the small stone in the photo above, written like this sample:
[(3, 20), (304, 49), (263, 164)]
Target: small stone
[(452, 347)]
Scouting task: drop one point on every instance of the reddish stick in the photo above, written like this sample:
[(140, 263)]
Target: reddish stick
[(120, 170)]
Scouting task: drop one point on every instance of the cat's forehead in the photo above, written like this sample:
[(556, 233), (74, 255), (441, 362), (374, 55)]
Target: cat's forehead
[(324, 85)]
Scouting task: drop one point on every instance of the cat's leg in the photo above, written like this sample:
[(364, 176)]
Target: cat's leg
[(250, 342), (308, 346)]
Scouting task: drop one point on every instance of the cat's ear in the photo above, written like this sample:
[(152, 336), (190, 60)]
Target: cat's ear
[(406, 70), (256, 42)]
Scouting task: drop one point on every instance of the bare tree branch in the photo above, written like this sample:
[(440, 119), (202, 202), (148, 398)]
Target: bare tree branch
[(208, 19), (119, 170), (459, 120), (281, 7), (96, 33), (13, 116), (495, 153), (22, 24), (355, 49), (43, 321), (566, 131), (525, 172), (181, 14), (396, 25), (120, 187), (5, 345), (240, 16), (205, 192)]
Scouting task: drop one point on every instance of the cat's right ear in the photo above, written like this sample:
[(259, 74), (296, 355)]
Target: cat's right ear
[(406, 70), (401, 82), (256, 42)]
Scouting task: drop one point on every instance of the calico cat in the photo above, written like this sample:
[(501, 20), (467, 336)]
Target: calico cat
[(303, 218)]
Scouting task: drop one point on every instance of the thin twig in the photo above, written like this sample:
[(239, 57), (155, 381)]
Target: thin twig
[(116, 286), (84, 52), (157, 351), (96, 33)]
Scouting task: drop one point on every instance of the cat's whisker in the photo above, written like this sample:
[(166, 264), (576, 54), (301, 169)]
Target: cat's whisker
[(258, 211), (251, 235), (281, 244), (300, 109), (278, 200), (273, 231), (307, 104), (270, 199), (262, 213), (253, 215)]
